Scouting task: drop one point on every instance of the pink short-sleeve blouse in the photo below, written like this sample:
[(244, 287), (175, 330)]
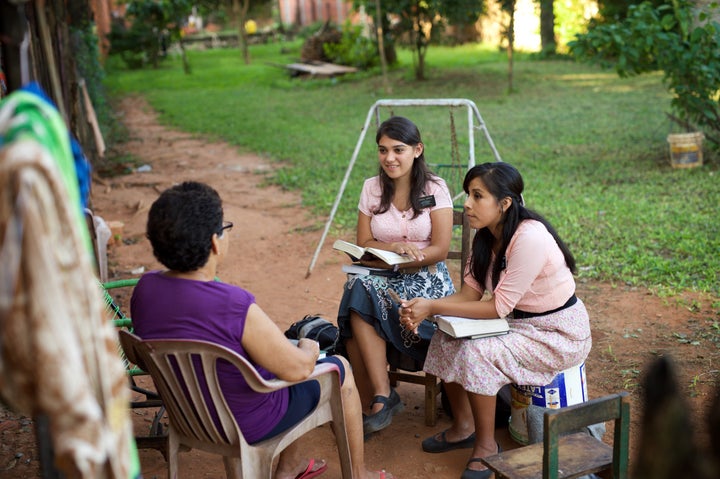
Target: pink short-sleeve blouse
[(536, 278), (399, 226)]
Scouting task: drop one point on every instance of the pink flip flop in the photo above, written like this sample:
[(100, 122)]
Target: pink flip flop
[(309, 472)]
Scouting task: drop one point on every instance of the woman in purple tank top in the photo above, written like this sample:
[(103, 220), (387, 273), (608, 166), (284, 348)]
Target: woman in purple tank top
[(189, 237)]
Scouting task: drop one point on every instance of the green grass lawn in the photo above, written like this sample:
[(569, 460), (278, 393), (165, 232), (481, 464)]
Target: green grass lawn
[(591, 146)]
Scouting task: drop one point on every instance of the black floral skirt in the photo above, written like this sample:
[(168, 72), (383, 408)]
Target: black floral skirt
[(367, 295)]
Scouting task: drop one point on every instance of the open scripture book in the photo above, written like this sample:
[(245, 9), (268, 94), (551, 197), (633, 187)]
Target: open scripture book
[(356, 252), (471, 328)]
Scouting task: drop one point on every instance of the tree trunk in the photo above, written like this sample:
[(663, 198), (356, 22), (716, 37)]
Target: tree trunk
[(548, 41), (388, 42), (511, 44), (241, 16), (381, 46), (420, 50), (183, 54), (420, 74)]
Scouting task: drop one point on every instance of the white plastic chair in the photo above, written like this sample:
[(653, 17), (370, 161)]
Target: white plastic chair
[(172, 365)]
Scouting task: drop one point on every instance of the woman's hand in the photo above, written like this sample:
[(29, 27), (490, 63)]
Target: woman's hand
[(310, 346), (408, 249), (413, 312)]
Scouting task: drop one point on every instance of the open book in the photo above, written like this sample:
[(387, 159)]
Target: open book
[(356, 252), (470, 327)]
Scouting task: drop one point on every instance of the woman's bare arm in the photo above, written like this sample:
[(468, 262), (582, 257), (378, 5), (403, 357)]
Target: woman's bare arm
[(268, 346)]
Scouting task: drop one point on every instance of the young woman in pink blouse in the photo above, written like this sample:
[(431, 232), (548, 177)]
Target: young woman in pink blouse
[(519, 258), (408, 210)]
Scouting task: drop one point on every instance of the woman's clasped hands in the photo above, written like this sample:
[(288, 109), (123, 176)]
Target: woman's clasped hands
[(413, 312)]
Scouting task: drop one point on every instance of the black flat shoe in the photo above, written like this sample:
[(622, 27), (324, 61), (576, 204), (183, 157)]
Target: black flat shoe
[(442, 445), (473, 474), (383, 418)]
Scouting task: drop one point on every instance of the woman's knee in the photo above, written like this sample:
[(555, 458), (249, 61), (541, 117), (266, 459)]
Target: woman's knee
[(347, 370), (349, 379)]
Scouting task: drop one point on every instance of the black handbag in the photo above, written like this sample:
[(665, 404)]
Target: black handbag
[(314, 327)]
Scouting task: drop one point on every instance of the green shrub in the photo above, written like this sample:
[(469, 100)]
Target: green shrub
[(141, 43), (87, 58), (354, 49), (154, 24)]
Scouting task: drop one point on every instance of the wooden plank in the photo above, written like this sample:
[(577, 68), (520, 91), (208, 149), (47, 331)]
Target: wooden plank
[(580, 454), (320, 68), (92, 119)]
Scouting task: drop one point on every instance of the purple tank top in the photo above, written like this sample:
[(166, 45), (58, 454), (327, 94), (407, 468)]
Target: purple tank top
[(170, 308)]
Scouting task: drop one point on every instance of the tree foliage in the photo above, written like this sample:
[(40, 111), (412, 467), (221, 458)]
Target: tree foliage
[(613, 11), (419, 22), (154, 24), (681, 41)]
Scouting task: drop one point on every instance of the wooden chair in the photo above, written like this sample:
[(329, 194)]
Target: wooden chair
[(430, 381), (563, 455), (175, 366)]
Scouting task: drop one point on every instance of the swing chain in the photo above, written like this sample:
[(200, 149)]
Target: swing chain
[(456, 168)]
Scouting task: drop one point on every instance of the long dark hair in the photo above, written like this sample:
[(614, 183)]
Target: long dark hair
[(401, 129), (503, 180)]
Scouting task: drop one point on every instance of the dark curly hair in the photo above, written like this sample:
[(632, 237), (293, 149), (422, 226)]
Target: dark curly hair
[(504, 180), (401, 129), (181, 224)]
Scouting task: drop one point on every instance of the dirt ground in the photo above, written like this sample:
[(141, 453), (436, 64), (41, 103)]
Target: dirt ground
[(272, 244)]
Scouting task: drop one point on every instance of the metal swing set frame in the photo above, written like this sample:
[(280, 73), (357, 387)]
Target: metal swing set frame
[(475, 122)]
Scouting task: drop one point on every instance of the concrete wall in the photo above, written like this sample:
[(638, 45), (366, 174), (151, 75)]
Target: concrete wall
[(306, 12)]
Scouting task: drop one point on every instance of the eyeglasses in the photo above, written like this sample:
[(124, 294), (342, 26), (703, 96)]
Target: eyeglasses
[(227, 225)]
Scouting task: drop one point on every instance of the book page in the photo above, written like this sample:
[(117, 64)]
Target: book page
[(390, 257), (353, 250)]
